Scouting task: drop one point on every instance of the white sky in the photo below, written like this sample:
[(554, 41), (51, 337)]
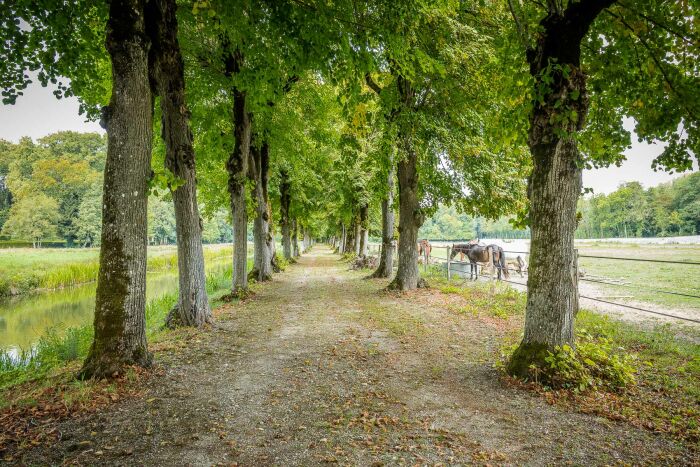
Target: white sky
[(38, 113)]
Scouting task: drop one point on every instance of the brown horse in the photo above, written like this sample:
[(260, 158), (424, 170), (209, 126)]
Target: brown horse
[(491, 255), (424, 248)]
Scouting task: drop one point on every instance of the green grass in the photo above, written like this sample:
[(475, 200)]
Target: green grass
[(26, 269), (643, 279), (666, 396), (493, 298), (59, 348)]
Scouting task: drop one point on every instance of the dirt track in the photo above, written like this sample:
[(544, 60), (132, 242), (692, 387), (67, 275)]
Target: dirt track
[(322, 366)]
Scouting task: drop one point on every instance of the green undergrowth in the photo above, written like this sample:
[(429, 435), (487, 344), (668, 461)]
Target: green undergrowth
[(481, 298), (282, 262), (348, 257), (22, 272), (648, 376), (595, 363), (61, 349), (623, 371)]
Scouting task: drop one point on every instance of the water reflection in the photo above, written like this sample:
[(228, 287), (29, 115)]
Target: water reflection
[(24, 319)]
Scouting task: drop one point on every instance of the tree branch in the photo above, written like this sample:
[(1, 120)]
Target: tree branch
[(372, 84), (658, 63), (519, 25)]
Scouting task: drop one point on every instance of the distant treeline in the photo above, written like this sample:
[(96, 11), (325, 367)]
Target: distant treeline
[(51, 195), (665, 210), (670, 209)]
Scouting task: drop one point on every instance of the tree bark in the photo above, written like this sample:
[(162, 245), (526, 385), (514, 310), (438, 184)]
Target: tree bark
[(410, 220), (555, 183), (168, 73), (343, 235), (262, 262), (364, 232), (350, 238), (285, 223), (386, 261), (120, 304), (357, 234), (307, 239), (295, 238), (237, 167)]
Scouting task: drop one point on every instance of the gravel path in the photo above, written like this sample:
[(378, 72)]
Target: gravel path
[(324, 367)]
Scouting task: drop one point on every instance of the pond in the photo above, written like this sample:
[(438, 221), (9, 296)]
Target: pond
[(25, 318)]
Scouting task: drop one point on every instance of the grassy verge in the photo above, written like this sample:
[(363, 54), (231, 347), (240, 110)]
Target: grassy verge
[(665, 394), (25, 270), (59, 350)]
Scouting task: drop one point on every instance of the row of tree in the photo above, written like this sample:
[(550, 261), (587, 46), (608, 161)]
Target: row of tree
[(303, 113)]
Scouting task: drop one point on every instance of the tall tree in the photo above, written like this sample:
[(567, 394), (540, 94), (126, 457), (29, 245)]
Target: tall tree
[(49, 46), (120, 334), (594, 61), (167, 70)]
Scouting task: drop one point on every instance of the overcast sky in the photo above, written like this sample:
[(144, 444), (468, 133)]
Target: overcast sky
[(38, 113)]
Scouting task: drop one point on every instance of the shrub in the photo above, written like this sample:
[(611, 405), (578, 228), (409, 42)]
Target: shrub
[(281, 261), (594, 364)]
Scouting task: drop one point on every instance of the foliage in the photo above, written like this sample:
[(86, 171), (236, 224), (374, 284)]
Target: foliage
[(594, 364), (34, 216), (630, 211), (66, 168)]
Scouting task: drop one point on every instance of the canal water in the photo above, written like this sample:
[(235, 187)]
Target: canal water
[(25, 318)]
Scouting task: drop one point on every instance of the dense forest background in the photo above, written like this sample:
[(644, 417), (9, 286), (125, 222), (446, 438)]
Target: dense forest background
[(50, 191)]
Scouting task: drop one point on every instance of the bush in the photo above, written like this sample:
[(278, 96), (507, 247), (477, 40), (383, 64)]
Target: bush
[(595, 364), (348, 257), (282, 262)]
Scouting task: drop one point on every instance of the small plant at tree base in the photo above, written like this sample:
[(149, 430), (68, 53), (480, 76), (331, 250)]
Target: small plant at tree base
[(282, 262), (595, 364), (348, 257)]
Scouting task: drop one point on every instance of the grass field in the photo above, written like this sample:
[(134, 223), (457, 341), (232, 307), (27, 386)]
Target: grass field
[(643, 280), (25, 269)]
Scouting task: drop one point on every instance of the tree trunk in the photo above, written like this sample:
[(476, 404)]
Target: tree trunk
[(350, 238), (307, 239), (357, 234), (168, 70), (341, 245), (262, 262), (120, 304), (410, 220), (555, 184), (237, 167), (271, 238), (295, 238), (364, 232), (285, 200), (386, 261)]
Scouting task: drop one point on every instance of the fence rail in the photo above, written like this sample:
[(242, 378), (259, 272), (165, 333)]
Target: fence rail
[(449, 269)]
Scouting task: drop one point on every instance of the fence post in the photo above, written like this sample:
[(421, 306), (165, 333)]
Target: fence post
[(576, 281), (448, 262)]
